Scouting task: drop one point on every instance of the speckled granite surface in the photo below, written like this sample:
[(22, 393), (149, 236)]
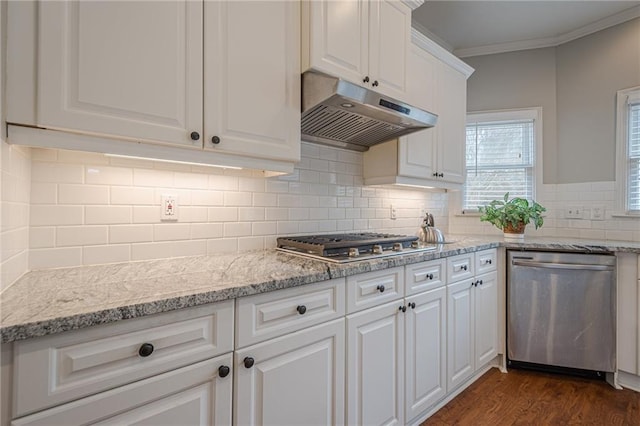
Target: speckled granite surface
[(53, 301)]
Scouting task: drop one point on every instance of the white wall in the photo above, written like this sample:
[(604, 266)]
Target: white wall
[(87, 208)]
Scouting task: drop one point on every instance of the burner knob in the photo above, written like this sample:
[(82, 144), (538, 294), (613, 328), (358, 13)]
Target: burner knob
[(414, 244), (397, 246), (377, 249), (353, 252)]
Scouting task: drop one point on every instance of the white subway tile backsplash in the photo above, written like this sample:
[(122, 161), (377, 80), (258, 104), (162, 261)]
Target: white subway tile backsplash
[(206, 231), (264, 228), (44, 214), (106, 175), (96, 215), (153, 178), (237, 229), (193, 214), (276, 213), (251, 214), (223, 183), (95, 255), (130, 234), (160, 250), (265, 200), (250, 243), (44, 193), (222, 245), (145, 214), (132, 195), (83, 194), (171, 231), (55, 257), (223, 214), (42, 236), (237, 198), (56, 173), (191, 180), (81, 235)]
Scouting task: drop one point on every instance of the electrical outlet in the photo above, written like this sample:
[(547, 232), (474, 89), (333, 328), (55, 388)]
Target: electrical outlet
[(573, 212), (393, 212), (597, 212), (169, 207)]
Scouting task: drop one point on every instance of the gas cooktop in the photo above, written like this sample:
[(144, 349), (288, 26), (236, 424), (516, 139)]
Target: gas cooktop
[(351, 247)]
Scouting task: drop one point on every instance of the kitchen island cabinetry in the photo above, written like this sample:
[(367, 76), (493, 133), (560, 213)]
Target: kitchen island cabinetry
[(472, 317), (154, 369), (365, 42), (432, 157), (203, 81)]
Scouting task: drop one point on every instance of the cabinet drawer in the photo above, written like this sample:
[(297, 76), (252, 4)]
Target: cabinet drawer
[(486, 261), (194, 395), (374, 288), (55, 369), (460, 267), (424, 276), (268, 315)]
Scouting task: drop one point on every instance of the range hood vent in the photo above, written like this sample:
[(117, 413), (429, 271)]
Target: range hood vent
[(338, 113)]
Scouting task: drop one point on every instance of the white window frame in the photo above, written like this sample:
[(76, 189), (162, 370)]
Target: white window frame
[(622, 154), (535, 114)]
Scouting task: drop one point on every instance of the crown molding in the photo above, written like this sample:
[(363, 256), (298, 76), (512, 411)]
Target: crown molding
[(425, 31), (610, 21), (440, 52)]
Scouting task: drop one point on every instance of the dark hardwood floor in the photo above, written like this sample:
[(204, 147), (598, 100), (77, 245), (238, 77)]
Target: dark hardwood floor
[(531, 398)]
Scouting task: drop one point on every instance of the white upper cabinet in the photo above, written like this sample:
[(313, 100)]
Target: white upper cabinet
[(365, 42), (433, 157), (252, 78), (221, 78), (128, 69)]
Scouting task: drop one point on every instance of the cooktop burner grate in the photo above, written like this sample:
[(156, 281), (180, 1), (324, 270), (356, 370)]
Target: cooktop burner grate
[(339, 244)]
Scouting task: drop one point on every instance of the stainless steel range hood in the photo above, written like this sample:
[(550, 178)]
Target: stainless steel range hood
[(339, 113)]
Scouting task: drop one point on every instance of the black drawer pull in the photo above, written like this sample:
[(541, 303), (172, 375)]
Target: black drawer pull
[(248, 362), (301, 309), (145, 350), (430, 276), (380, 288), (223, 371)]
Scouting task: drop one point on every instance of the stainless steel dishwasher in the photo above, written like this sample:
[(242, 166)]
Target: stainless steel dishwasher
[(561, 310)]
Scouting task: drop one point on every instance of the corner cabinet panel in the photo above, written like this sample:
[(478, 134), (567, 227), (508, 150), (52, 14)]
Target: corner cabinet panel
[(389, 43), (339, 37), (486, 315), (125, 69), (460, 333), (252, 78), (451, 127)]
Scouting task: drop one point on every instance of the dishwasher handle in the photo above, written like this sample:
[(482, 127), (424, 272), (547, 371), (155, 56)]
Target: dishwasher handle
[(554, 265)]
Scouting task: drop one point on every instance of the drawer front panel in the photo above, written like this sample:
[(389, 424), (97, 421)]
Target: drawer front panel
[(486, 261), (424, 276), (374, 288), (273, 314), (460, 267), (57, 369)]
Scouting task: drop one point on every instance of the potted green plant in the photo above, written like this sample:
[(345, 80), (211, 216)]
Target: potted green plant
[(512, 215)]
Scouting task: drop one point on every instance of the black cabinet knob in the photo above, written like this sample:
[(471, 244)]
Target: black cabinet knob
[(375, 83), (435, 174), (430, 276), (301, 309), (402, 308), (412, 305), (195, 136), (473, 283), (145, 350), (480, 282), (223, 371), (215, 140), (489, 261), (440, 174), (365, 79), (380, 288), (248, 362), (463, 267)]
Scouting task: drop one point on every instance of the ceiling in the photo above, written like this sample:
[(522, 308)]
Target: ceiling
[(469, 28)]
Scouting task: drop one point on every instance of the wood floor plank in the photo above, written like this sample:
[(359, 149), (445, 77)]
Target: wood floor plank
[(523, 397)]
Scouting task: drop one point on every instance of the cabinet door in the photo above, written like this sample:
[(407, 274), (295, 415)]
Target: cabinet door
[(252, 78), (451, 127), (426, 348), (296, 379), (460, 333), (486, 318), (417, 154), (338, 38), (193, 395), (389, 42), (375, 361), (127, 69)]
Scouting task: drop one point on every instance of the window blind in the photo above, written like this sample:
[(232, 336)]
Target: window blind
[(633, 186), (500, 157)]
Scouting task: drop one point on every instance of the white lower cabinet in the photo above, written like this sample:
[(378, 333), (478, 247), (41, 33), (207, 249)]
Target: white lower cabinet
[(425, 351), (193, 395), (472, 318), (375, 360), (295, 379)]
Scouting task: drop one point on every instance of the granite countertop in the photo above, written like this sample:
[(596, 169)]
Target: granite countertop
[(52, 301)]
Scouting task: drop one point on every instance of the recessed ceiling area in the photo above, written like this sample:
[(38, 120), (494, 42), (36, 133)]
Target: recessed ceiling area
[(469, 28)]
